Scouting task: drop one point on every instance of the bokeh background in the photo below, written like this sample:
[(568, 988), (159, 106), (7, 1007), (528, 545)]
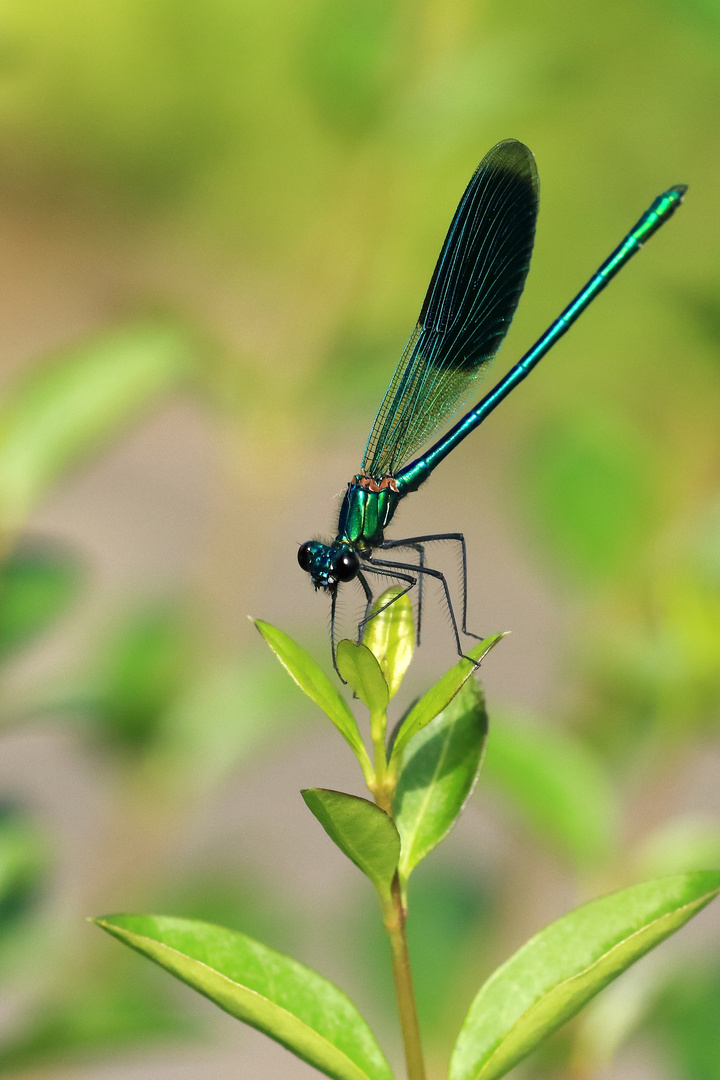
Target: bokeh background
[(217, 223)]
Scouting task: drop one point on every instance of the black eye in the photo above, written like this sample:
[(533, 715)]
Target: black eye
[(305, 555), (346, 566)]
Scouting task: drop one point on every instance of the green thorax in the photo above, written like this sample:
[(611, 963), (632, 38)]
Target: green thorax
[(367, 508)]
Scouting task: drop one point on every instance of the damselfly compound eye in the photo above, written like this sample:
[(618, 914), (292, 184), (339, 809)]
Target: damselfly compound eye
[(346, 566), (305, 555)]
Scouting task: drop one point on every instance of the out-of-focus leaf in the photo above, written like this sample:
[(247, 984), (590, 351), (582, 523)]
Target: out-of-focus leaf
[(143, 670), (248, 706), (439, 772), (284, 999), (93, 1019), (438, 697), (685, 1019), (315, 683), (347, 60), (613, 1017), (364, 832), (57, 414), (390, 635), (360, 669), (680, 846), (589, 481), (450, 920), (23, 856), (555, 973), (37, 585), (668, 666), (557, 784)]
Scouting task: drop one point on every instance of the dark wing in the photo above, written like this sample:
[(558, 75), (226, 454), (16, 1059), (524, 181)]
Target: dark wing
[(468, 309)]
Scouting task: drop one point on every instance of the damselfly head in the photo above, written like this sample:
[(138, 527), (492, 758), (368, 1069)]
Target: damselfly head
[(328, 564)]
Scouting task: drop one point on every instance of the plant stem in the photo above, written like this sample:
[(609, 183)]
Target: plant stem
[(394, 916), (394, 919), (378, 727)]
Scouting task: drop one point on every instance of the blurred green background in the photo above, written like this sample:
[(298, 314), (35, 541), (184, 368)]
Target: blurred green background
[(217, 223)]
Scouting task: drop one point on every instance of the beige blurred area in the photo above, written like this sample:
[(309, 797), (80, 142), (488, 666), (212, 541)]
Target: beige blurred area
[(277, 179)]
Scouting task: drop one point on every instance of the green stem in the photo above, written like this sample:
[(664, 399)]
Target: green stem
[(378, 728), (394, 918)]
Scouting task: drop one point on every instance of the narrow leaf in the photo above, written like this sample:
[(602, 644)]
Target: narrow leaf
[(439, 696), (315, 683), (284, 999), (439, 772), (364, 832), (363, 673), (558, 786), (555, 973), (56, 414), (390, 635)]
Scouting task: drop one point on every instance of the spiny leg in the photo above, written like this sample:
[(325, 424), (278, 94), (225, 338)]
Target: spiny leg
[(439, 576), (333, 602), (414, 541), (372, 568), (420, 548), (368, 603)]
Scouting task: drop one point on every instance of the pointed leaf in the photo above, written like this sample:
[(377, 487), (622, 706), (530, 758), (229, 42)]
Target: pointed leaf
[(390, 635), (363, 673), (558, 785), (284, 999), (439, 696), (315, 683), (364, 832), (555, 973), (439, 773)]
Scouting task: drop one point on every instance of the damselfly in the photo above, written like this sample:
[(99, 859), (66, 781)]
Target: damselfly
[(468, 308)]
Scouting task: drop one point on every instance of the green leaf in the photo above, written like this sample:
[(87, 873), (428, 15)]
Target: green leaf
[(37, 584), (249, 707), (284, 999), (390, 635), (315, 683), (555, 973), (142, 671), (364, 832), (439, 696), (439, 773), (685, 1019), (93, 1019), (61, 411), (363, 673), (557, 784)]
